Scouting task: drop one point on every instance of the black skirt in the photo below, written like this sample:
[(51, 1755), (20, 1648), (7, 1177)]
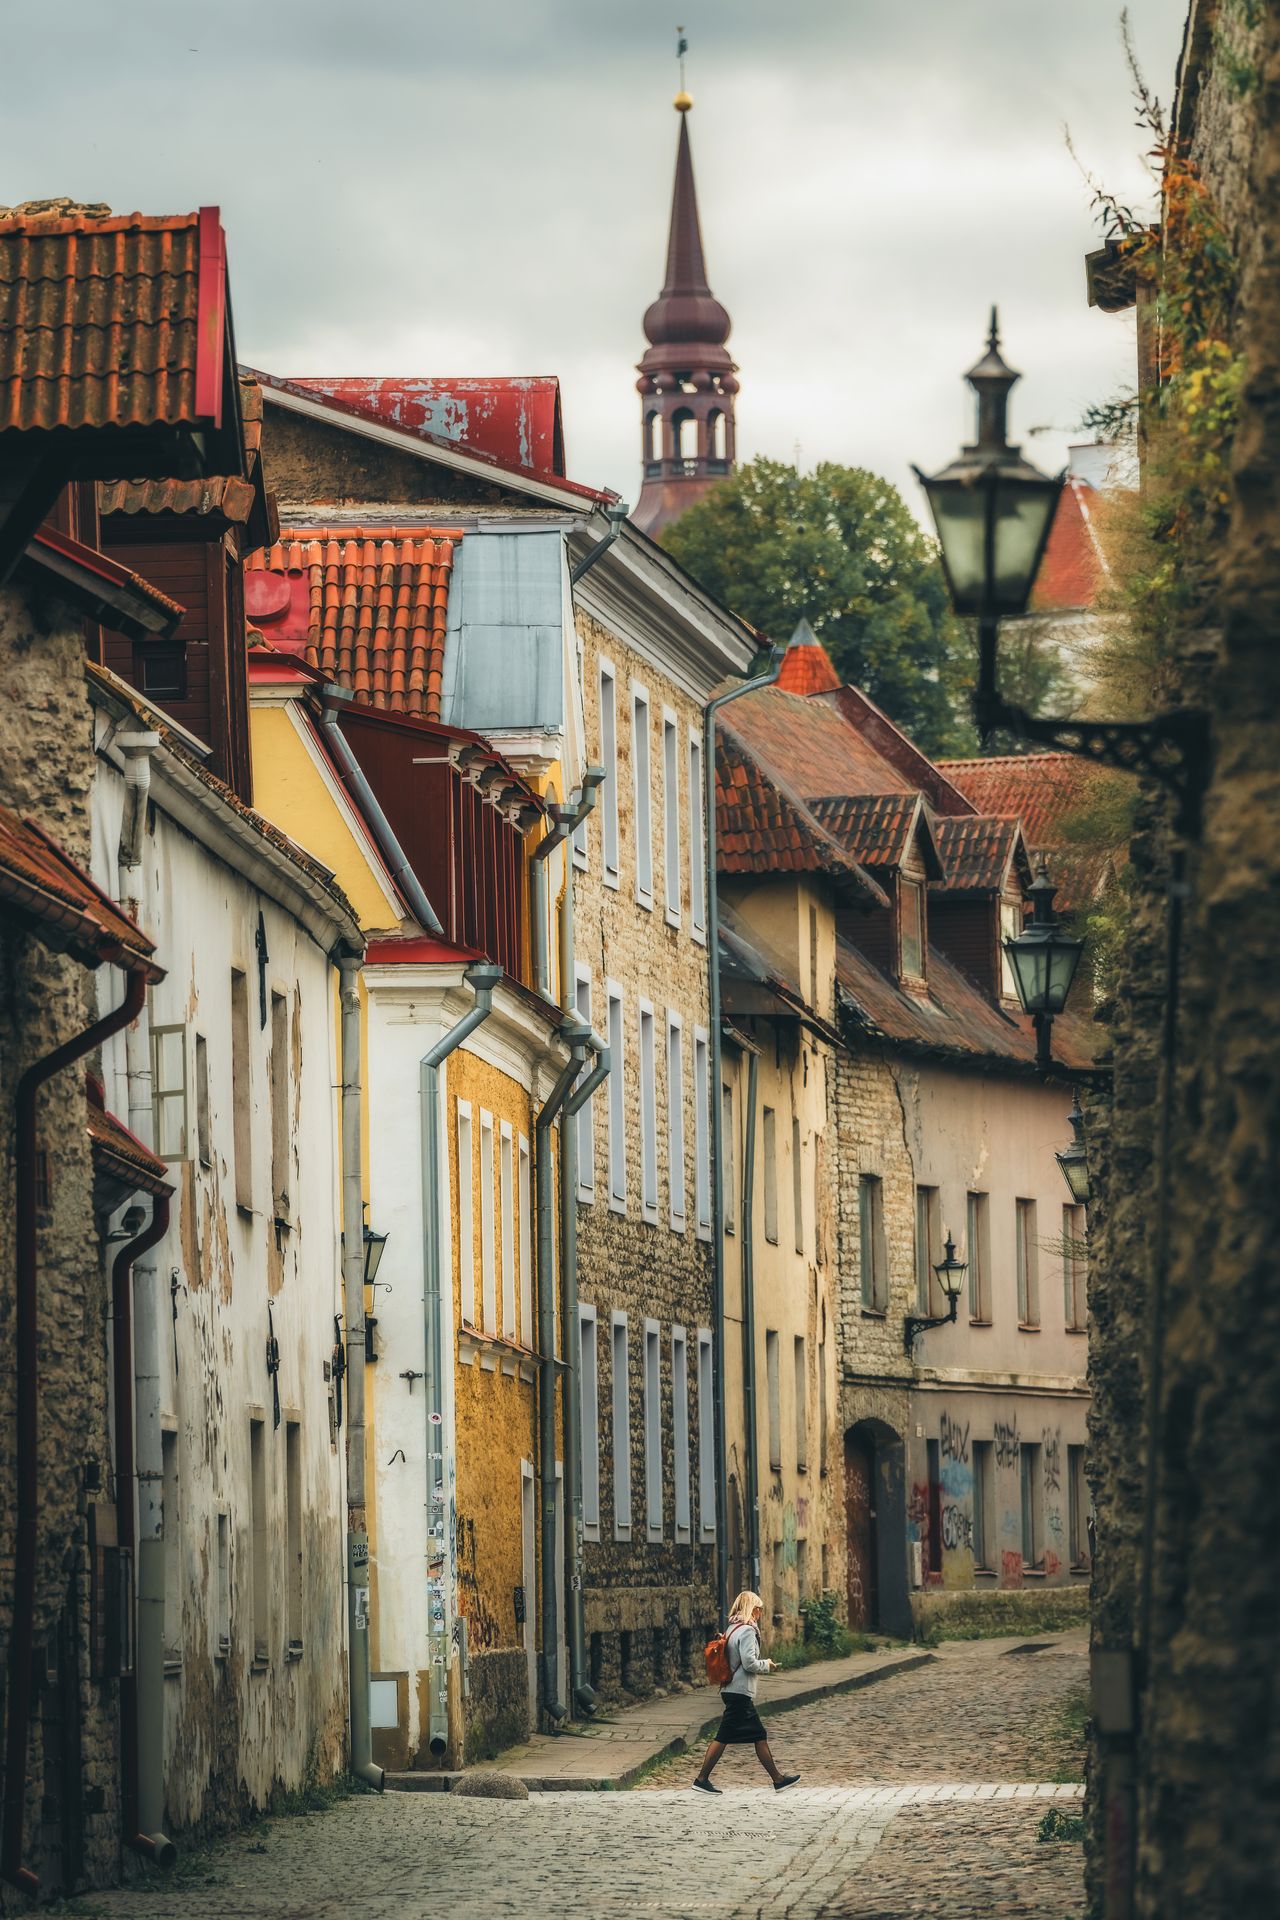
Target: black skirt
[(740, 1724)]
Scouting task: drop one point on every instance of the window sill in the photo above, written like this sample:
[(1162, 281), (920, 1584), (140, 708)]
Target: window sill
[(707, 1537), (1081, 1333), (873, 1313), (293, 1651), (678, 1223), (645, 901), (586, 1196), (622, 1533), (1028, 1326), (617, 1206), (699, 934), (682, 1537), (224, 1649), (172, 1665), (1033, 1573), (611, 878), (985, 1573), (1081, 1569), (979, 1323), (671, 919), (260, 1663)]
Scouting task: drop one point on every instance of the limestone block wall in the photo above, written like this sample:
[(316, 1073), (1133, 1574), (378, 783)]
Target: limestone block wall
[(659, 1593), (46, 767)]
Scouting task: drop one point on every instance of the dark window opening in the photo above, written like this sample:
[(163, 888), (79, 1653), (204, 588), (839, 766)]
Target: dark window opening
[(161, 671)]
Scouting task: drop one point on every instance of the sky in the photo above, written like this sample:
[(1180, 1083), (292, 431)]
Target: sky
[(483, 187)]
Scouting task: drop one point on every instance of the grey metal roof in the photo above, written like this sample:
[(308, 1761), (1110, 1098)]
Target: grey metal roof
[(504, 654)]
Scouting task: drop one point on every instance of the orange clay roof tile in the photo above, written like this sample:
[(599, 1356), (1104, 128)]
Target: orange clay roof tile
[(45, 889), (376, 609)]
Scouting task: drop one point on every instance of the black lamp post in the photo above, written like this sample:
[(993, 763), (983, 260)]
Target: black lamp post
[(1044, 961), (1074, 1160), (950, 1272), (992, 510), (374, 1243)]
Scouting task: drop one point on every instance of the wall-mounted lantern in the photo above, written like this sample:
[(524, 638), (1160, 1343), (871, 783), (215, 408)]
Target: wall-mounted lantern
[(951, 1273), (1074, 1160)]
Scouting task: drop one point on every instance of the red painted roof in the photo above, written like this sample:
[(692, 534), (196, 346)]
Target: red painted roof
[(515, 420), (116, 322), (368, 607), (1073, 566), (806, 664), (42, 887)]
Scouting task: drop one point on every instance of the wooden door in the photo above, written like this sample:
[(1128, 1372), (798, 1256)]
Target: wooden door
[(860, 1531)]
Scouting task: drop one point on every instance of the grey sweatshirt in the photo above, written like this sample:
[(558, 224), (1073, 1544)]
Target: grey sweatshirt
[(745, 1662)]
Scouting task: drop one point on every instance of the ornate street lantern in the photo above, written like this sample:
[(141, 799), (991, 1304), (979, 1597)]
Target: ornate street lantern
[(1044, 961), (950, 1272), (1074, 1160)]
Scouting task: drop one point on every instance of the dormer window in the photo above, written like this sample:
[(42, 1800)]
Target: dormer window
[(1010, 927), (911, 929)]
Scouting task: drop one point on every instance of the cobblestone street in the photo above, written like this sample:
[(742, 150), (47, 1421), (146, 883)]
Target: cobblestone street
[(921, 1795)]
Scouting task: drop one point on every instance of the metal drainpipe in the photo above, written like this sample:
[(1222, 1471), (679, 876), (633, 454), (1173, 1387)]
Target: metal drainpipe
[(362, 1761), (577, 1034), (581, 1694), (616, 515), (149, 1312), (27, 1466), (709, 714), (154, 1846), (564, 821), (482, 978), (406, 881), (749, 1321)]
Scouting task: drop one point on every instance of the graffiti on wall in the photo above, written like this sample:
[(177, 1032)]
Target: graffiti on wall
[(957, 1529), (955, 1440), (1010, 1569), (1051, 1441), (483, 1631), (1008, 1441)]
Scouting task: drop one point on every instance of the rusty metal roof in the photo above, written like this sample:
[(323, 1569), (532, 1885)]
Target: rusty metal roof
[(515, 419), (116, 322), (44, 888), (367, 606)]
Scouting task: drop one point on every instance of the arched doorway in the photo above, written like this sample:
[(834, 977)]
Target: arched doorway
[(876, 1590)]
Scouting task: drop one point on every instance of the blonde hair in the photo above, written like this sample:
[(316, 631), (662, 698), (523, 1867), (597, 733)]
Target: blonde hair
[(745, 1605)]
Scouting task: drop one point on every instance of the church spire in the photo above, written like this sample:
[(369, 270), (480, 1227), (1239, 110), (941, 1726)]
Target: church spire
[(687, 377)]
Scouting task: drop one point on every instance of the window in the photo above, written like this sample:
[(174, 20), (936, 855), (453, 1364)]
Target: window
[(204, 1140), (488, 1270), (648, 1117), (652, 1431), (169, 1090), (928, 1249), (643, 795), (769, 1129), (802, 1570), (978, 1252), (706, 1438), (507, 1204), (589, 1375), (280, 1127), (802, 1403), (726, 1126), (822, 1406), (697, 842), (680, 1431), (259, 1543), (702, 1131), (1075, 1268), (797, 1183), (621, 1431), (586, 1115), (933, 1455), (1077, 1509), (773, 1389), (1028, 1271), (911, 924), (526, 1246), (171, 1522), (671, 815), (609, 759), (675, 1118), (1032, 1488), (1010, 928), (161, 670), (241, 1091), (984, 1504), (466, 1217), (813, 958), (617, 1110), (872, 1253), (293, 1535), (222, 1591)]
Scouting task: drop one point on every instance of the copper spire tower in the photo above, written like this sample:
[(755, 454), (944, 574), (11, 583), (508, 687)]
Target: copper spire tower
[(687, 378)]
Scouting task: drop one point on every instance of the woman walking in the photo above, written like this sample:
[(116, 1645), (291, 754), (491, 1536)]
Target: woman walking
[(740, 1724)]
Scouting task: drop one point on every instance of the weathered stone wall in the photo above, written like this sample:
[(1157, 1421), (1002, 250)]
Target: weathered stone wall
[(46, 766), (646, 1602), (1207, 1760)]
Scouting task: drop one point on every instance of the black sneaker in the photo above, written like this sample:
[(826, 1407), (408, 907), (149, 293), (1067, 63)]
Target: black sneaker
[(705, 1785), (787, 1780)]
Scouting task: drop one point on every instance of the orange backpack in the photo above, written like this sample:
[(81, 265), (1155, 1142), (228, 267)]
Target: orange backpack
[(716, 1655)]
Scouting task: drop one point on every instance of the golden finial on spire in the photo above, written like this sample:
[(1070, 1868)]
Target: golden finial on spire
[(683, 100)]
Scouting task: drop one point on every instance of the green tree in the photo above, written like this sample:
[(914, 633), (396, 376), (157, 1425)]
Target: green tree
[(839, 548)]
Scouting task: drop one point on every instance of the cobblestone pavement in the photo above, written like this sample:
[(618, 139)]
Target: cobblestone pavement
[(921, 1797)]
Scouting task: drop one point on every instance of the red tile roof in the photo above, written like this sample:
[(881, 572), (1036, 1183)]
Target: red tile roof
[(119, 1152), (811, 746), (806, 664), (977, 852), (47, 891), (1073, 565), (240, 502), (1042, 790), (116, 322), (516, 420), (876, 828), (368, 607), (762, 828)]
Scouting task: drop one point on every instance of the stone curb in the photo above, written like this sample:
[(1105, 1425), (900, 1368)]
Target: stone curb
[(697, 1731)]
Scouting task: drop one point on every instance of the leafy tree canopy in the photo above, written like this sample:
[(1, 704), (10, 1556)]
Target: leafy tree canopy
[(839, 548)]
